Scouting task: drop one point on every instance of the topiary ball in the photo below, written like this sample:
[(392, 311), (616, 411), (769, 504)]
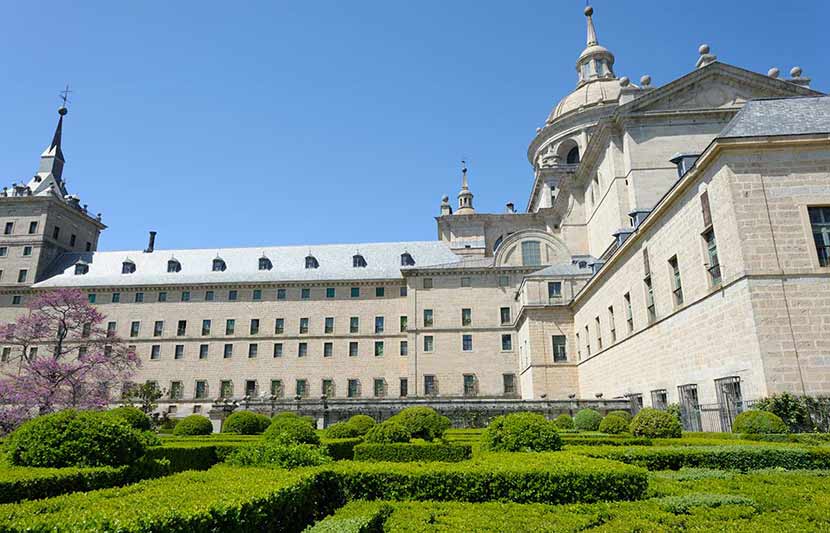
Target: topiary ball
[(654, 423), (362, 423), (342, 430), (587, 420), (134, 416), (521, 432), (388, 432), (423, 422), (758, 423), (624, 414), (564, 421), (613, 424), (291, 430), (244, 423), (75, 438), (193, 425)]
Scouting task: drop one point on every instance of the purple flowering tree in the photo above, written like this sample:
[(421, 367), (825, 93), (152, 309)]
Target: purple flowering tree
[(60, 356)]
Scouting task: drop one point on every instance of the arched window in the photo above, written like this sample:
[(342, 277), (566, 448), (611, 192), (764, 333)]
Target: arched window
[(497, 243), (219, 265), (174, 266), (573, 156), (407, 260), (265, 263), (311, 262), (127, 267), (81, 269), (531, 253), (358, 261)]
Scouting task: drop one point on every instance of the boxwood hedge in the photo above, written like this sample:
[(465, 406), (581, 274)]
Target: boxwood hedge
[(411, 452), (355, 517)]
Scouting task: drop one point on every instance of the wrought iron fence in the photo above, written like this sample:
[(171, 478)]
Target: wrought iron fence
[(715, 417)]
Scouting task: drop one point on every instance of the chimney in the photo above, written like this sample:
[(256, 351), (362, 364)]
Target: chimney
[(684, 162), (510, 208), (151, 244)]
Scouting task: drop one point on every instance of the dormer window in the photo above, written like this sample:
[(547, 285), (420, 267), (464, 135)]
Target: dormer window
[(265, 263), (311, 262), (358, 261), (219, 265), (174, 266), (407, 260), (81, 269), (127, 267)]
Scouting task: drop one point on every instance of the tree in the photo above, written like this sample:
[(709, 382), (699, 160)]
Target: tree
[(60, 357), (145, 396)]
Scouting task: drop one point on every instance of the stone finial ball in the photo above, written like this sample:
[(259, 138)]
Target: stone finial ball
[(62, 111), (624, 81), (445, 198), (795, 72), (538, 130), (589, 11), (773, 72), (645, 80), (704, 49)]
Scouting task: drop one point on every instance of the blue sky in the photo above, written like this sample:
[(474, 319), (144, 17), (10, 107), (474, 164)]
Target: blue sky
[(264, 123)]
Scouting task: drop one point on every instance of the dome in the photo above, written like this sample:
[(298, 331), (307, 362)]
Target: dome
[(597, 92)]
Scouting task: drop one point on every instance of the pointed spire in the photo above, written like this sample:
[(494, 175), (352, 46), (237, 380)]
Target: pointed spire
[(592, 32), (465, 197), (595, 62), (50, 173), (55, 148)]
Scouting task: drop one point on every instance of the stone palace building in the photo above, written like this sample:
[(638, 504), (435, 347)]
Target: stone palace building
[(675, 248)]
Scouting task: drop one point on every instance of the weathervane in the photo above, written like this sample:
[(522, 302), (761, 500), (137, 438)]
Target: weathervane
[(64, 95)]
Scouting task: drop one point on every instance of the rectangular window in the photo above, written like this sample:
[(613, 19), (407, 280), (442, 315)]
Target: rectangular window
[(706, 209), (32, 228), (404, 348), (560, 348), (578, 349), (504, 281), (205, 327), (203, 351), (256, 295), (155, 352), (713, 265), (9, 228), (178, 351), (304, 325), (652, 311), (531, 253), (116, 297), (328, 349), (21, 276), (677, 285), (328, 326), (629, 315), (134, 328), (88, 246), (470, 385), (428, 318), (302, 349), (111, 329), (598, 325), (466, 316), (403, 291), (277, 349), (429, 343), (380, 387), (226, 389), (330, 292), (404, 382), (158, 328), (250, 388), (230, 326), (378, 348), (185, 296), (380, 292), (427, 283), (430, 386), (587, 341), (181, 328), (353, 388), (612, 325), (56, 232), (353, 349), (554, 290), (233, 295), (354, 324), (228, 351), (27, 251), (139, 297), (72, 239), (280, 294), (820, 224), (276, 388), (504, 314), (355, 292), (305, 293), (467, 343), (162, 296), (404, 323), (509, 381), (279, 326), (253, 349), (659, 399), (201, 390), (4, 251), (378, 324), (254, 326), (465, 281), (209, 296), (507, 342), (328, 388)]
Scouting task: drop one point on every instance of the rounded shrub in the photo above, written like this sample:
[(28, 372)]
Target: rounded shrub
[(613, 424), (193, 425), (423, 422), (587, 420), (75, 438), (624, 414), (521, 432), (654, 423), (362, 423), (342, 430), (758, 422), (291, 430), (388, 432), (134, 416), (564, 421), (272, 454), (245, 423)]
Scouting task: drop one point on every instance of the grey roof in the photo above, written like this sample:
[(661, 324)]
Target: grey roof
[(780, 116), (565, 269), (335, 260), (464, 262)]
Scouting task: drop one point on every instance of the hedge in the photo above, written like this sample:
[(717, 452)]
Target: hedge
[(736, 457), (193, 456), (609, 440), (355, 517), (411, 452), (340, 449)]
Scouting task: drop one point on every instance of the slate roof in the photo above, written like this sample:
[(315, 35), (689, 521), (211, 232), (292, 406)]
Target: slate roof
[(561, 270), (335, 260), (780, 116)]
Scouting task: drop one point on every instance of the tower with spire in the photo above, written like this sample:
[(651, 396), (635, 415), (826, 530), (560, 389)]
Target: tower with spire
[(41, 220), (465, 197)]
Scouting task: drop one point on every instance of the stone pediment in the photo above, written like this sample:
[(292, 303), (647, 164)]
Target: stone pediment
[(716, 86)]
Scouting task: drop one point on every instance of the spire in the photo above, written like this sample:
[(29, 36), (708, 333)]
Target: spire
[(465, 197), (595, 62), (592, 32), (52, 160)]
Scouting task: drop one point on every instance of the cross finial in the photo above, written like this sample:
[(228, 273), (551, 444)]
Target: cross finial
[(64, 95)]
